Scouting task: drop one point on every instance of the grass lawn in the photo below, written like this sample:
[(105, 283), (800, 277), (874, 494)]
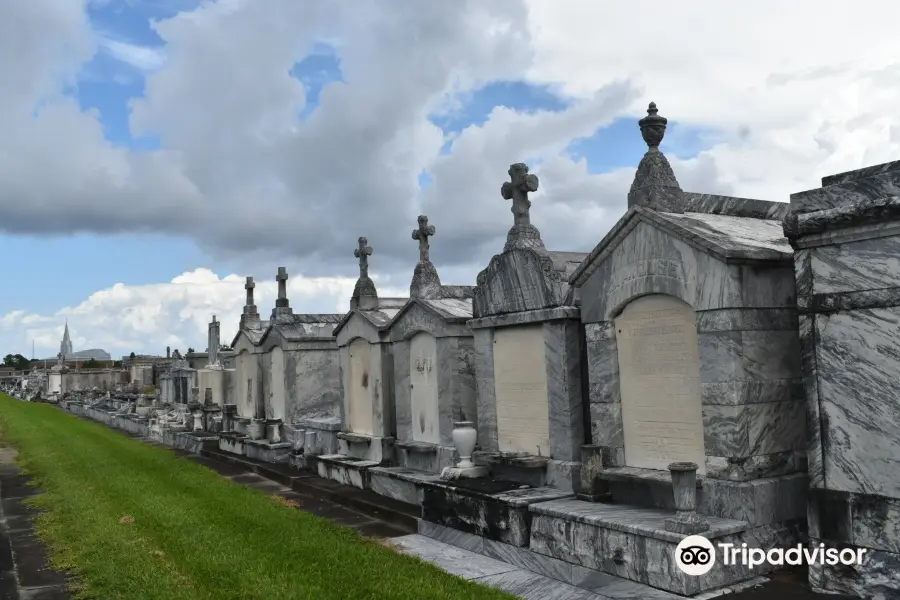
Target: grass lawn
[(136, 522)]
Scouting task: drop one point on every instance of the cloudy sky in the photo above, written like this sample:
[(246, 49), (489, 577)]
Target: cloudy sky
[(155, 152)]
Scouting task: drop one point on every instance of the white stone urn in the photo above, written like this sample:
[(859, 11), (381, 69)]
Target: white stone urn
[(464, 437)]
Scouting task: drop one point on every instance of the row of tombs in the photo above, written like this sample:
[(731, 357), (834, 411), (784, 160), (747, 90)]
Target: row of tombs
[(715, 365)]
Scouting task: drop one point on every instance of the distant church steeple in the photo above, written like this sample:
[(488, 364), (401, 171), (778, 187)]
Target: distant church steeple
[(65, 348)]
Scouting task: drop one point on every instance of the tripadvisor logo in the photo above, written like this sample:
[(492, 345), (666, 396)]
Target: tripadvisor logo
[(695, 555)]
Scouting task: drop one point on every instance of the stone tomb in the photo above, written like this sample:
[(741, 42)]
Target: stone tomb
[(301, 384), (692, 350), (528, 355), (245, 419), (434, 377), (367, 376), (846, 237)]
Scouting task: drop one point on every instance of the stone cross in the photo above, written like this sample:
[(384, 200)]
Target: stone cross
[(517, 189), (282, 278), (59, 358), (363, 252), (422, 234), (249, 287)]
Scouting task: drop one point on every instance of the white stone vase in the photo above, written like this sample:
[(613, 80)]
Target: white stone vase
[(464, 437)]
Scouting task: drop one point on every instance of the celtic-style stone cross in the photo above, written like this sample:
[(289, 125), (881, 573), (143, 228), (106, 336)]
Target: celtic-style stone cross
[(516, 189), (422, 234), (363, 252), (249, 287), (282, 278)]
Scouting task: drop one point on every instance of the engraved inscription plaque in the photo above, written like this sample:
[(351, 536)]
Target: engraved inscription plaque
[(659, 371), (520, 380)]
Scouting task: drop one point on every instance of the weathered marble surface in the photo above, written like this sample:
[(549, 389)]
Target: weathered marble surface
[(858, 370), (456, 561), (855, 519), (878, 577), (494, 510), (646, 522), (313, 386), (561, 572), (754, 429), (564, 393), (758, 502), (642, 558), (734, 207), (761, 466), (646, 258), (519, 280), (486, 399), (525, 318), (402, 397), (440, 318), (392, 487), (603, 363), (856, 266), (868, 218), (849, 188), (532, 586), (460, 539), (348, 472), (747, 319)]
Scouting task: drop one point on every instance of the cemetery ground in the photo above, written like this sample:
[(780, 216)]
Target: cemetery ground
[(128, 520)]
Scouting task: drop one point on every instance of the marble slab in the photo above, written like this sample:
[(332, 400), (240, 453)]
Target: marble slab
[(531, 586), (455, 561), (646, 522)]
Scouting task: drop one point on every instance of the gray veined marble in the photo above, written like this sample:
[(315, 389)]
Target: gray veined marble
[(531, 586), (455, 561), (858, 369), (856, 266)]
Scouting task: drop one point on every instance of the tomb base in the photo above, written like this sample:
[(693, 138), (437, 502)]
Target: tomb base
[(530, 470), (423, 456), (364, 446), (232, 442), (310, 438), (266, 451), (193, 441), (633, 543), (495, 510), (399, 483), (456, 473), (345, 469)]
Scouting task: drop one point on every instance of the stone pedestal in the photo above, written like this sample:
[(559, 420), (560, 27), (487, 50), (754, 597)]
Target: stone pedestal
[(256, 429), (684, 486), (273, 430), (593, 461)]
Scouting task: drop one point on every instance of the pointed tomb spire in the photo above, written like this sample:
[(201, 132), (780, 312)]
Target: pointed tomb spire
[(654, 185), (425, 282), (65, 347)]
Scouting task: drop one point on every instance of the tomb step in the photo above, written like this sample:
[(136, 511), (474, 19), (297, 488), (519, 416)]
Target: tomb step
[(647, 488), (307, 482), (401, 514), (632, 543)]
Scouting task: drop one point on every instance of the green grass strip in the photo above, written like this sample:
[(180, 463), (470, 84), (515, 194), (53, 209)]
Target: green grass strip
[(188, 533)]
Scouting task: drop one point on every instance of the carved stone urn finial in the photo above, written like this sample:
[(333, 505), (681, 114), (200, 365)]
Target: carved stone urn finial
[(653, 127)]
